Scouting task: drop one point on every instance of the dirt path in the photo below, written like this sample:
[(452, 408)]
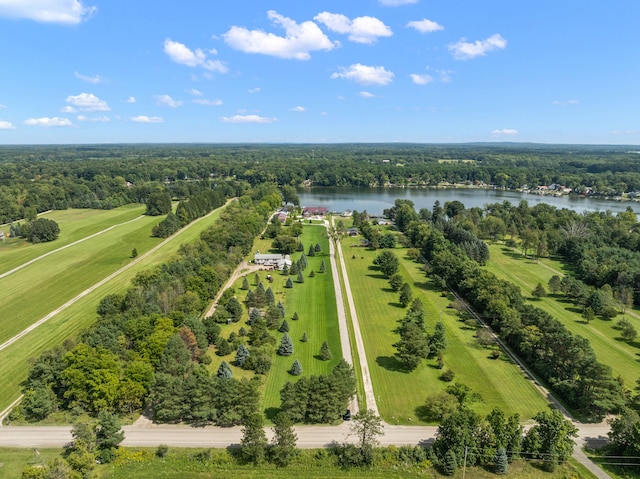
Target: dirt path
[(31, 261), (242, 269)]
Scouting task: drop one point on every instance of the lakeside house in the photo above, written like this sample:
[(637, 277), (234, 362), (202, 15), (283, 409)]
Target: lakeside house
[(274, 261), (314, 211)]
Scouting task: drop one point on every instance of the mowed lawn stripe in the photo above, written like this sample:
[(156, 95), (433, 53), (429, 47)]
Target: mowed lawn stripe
[(75, 224), (399, 393), (622, 357), (68, 323)]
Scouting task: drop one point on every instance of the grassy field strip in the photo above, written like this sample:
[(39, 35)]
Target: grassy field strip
[(14, 359), (75, 224), (34, 292), (24, 265), (500, 382), (622, 357)]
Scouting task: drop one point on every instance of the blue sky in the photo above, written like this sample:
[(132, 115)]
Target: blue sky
[(109, 71)]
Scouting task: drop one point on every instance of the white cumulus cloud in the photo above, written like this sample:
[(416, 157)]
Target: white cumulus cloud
[(88, 102), (69, 12), (89, 79), (44, 121), (360, 29), (166, 100), (366, 94), (255, 90), (5, 125), (425, 26), (248, 119), (421, 79), (298, 42), (131, 99), (396, 3), (298, 109), (365, 74), (94, 119), (505, 131), (194, 92), (204, 101), (463, 50), (180, 53), (147, 119)]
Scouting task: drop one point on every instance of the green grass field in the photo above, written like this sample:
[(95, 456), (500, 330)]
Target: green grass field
[(14, 359), (623, 357), (399, 393), (314, 301), (75, 224)]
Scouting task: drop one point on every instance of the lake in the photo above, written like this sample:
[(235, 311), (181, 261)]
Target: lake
[(375, 200)]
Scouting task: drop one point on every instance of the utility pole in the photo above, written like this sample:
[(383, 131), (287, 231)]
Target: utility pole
[(464, 466)]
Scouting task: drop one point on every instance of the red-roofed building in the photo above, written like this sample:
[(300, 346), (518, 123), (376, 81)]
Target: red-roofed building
[(314, 211)]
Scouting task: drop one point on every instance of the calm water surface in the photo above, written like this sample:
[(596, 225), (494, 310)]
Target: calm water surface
[(375, 200)]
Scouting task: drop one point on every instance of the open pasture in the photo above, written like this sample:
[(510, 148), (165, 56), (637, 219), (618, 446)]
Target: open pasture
[(623, 357), (399, 393)]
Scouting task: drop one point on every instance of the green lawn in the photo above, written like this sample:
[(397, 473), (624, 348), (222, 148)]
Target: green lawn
[(13, 460), (399, 393), (75, 224), (314, 301), (14, 359), (623, 357)]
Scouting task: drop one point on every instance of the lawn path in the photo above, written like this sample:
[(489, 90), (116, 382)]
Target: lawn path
[(24, 265)]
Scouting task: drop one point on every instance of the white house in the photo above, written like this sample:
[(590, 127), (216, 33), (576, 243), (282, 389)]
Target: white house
[(276, 261)]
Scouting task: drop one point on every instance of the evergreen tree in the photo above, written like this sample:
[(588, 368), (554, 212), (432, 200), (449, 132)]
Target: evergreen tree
[(304, 338), (253, 444), (539, 291), (285, 269), (286, 346), (281, 309), (296, 368), (295, 316), (283, 446), (284, 327), (257, 279), (449, 463), (325, 352), (245, 284), (289, 283), (312, 251), (501, 461), (109, 435), (405, 295), (300, 247), (254, 315), (317, 248), (294, 270), (312, 274), (271, 298), (300, 277), (303, 262), (223, 347), (438, 340), (323, 266), (242, 353), (134, 253), (224, 371)]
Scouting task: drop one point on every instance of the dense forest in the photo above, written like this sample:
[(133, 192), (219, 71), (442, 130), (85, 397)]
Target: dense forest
[(40, 178)]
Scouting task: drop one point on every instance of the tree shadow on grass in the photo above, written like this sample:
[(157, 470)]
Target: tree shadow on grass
[(377, 276), (391, 363), (396, 305), (427, 286), (271, 412)]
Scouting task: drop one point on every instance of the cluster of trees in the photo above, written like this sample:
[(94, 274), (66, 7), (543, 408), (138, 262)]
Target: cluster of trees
[(415, 343), (464, 437), (39, 230), (188, 210), (319, 399), (148, 345)]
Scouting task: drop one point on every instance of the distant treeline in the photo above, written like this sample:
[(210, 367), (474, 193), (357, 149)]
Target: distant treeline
[(58, 177)]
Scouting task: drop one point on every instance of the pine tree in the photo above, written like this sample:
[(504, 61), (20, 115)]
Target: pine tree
[(294, 269), (295, 316), (300, 277), (303, 261), (296, 368), (245, 284), (317, 248), (242, 332), (449, 463), (325, 352), (284, 327), (323, 266), (280, 307), (285, 269), (304, 338), (312, 274), (438, 341), (254, 315), (300, 247), (539, 291), (271, 298), (257, 279), (242, 353), (289, 283), (223, 347), (312, 251), (253, 444), (224, 371), (283, 446), (109, 435), (501, 461), (286, 346)]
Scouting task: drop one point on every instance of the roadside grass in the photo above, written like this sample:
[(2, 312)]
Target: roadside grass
[(75, 224), (623, 357), (34, 291), (400, 393), (312, 463), (13, 460), (14, 360), (314, 301)]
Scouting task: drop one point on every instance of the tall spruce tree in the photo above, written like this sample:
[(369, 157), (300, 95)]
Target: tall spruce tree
[(242, 353), (325, 352), (296, 368), (286, 345), (224, 371)]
